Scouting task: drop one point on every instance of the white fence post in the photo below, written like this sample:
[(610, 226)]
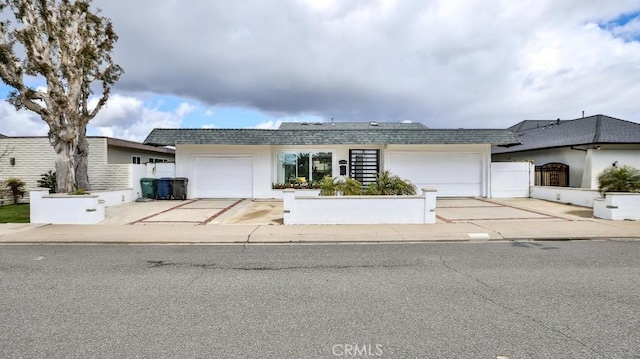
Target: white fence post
[(288, 204), (429, 195)]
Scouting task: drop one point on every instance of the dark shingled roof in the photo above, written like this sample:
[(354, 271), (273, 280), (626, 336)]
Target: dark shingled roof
[(172, 137), (598, 129), (351, 126)]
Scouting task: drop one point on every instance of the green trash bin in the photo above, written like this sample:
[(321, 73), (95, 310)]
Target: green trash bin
[(149, 187)]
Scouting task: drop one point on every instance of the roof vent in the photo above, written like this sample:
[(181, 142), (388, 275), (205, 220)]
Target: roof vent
[(373, 123)]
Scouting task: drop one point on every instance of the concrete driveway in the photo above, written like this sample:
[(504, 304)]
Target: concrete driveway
[(197, 212), (479, 211)]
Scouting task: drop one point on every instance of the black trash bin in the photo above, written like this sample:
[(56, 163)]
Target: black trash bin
[(148, 187), (163, 188), (179, 187)]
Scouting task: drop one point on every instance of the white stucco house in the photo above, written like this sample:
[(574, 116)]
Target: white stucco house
[(586, 145), (110, 159), (254, 163)]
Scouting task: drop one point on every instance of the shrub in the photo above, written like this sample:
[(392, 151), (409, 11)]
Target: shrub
[(328, 186), (334, 186), (350, 187), (389, 184), (16, 188), (48, 180), (619, 179)]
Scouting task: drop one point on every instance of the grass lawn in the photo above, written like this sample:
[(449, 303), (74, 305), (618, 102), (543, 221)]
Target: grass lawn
[(14, 213)]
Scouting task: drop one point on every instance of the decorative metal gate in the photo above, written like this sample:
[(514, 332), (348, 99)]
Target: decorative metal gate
[(364, 165), (552, 174)]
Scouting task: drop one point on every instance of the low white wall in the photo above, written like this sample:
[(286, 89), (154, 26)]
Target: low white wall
[(65, 209), (511, 179), (577, 196), (359, 209), (116, 197), (279, 193), (618, 206)]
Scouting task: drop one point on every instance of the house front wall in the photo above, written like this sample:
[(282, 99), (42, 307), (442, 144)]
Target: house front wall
[(584, 164), (607, 156), (229, 167), (34, 156), (576, 159), (122, 155)]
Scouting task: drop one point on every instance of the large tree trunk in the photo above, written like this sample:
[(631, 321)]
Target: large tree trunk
[(82, 160), (65, 143), (65, 172)]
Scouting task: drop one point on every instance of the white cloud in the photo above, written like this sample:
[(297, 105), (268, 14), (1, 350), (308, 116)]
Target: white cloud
[(20, 123), (462, 63), (129, 118), (269, 125)]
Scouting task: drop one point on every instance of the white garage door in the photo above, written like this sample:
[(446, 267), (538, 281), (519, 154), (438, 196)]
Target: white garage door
[(222, 177), (452, 174)]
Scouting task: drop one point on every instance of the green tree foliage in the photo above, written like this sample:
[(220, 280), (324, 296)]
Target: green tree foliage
[(48, 180), (65, 45), (16, 189), (619, 179), (389, 184)]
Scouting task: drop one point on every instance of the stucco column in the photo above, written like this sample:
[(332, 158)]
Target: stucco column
[(288, 205), (35, 204), (429, 195)]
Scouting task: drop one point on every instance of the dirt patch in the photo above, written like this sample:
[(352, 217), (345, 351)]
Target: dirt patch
[(258, 213)]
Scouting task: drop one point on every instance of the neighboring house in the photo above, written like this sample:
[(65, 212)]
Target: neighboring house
[(27, 158), (250, 163), (586, 145)]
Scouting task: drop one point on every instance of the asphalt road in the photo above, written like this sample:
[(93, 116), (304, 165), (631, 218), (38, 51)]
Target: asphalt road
[(438, 300)]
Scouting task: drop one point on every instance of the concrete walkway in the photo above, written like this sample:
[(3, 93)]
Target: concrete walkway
[(257, 222)]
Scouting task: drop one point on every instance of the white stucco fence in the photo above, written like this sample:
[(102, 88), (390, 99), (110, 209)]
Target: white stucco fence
[(618, 206), (511, 179), (65, 209), (359, 209), (577, 196), (74, 209)]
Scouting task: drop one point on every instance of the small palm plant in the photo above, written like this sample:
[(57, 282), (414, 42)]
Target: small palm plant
[(387, 183), (16, 188), (619, 179), (350, 187), (335, 186), (328, 186), (48, 180)]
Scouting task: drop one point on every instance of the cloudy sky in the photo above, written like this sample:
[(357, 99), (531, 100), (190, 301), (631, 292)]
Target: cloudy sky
[(464, 63)]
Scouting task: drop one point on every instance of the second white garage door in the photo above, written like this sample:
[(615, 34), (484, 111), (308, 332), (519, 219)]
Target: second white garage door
[(222, 177), (452, 174)]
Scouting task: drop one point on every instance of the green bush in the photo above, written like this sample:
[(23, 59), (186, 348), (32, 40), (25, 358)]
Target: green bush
[(16, 189), (389, 184), (48, 180), (619, 179), (351, 187), (335, 186), (328, 186)]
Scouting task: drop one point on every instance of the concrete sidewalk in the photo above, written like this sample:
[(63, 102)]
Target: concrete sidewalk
[(248, 234), (254, 222)]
